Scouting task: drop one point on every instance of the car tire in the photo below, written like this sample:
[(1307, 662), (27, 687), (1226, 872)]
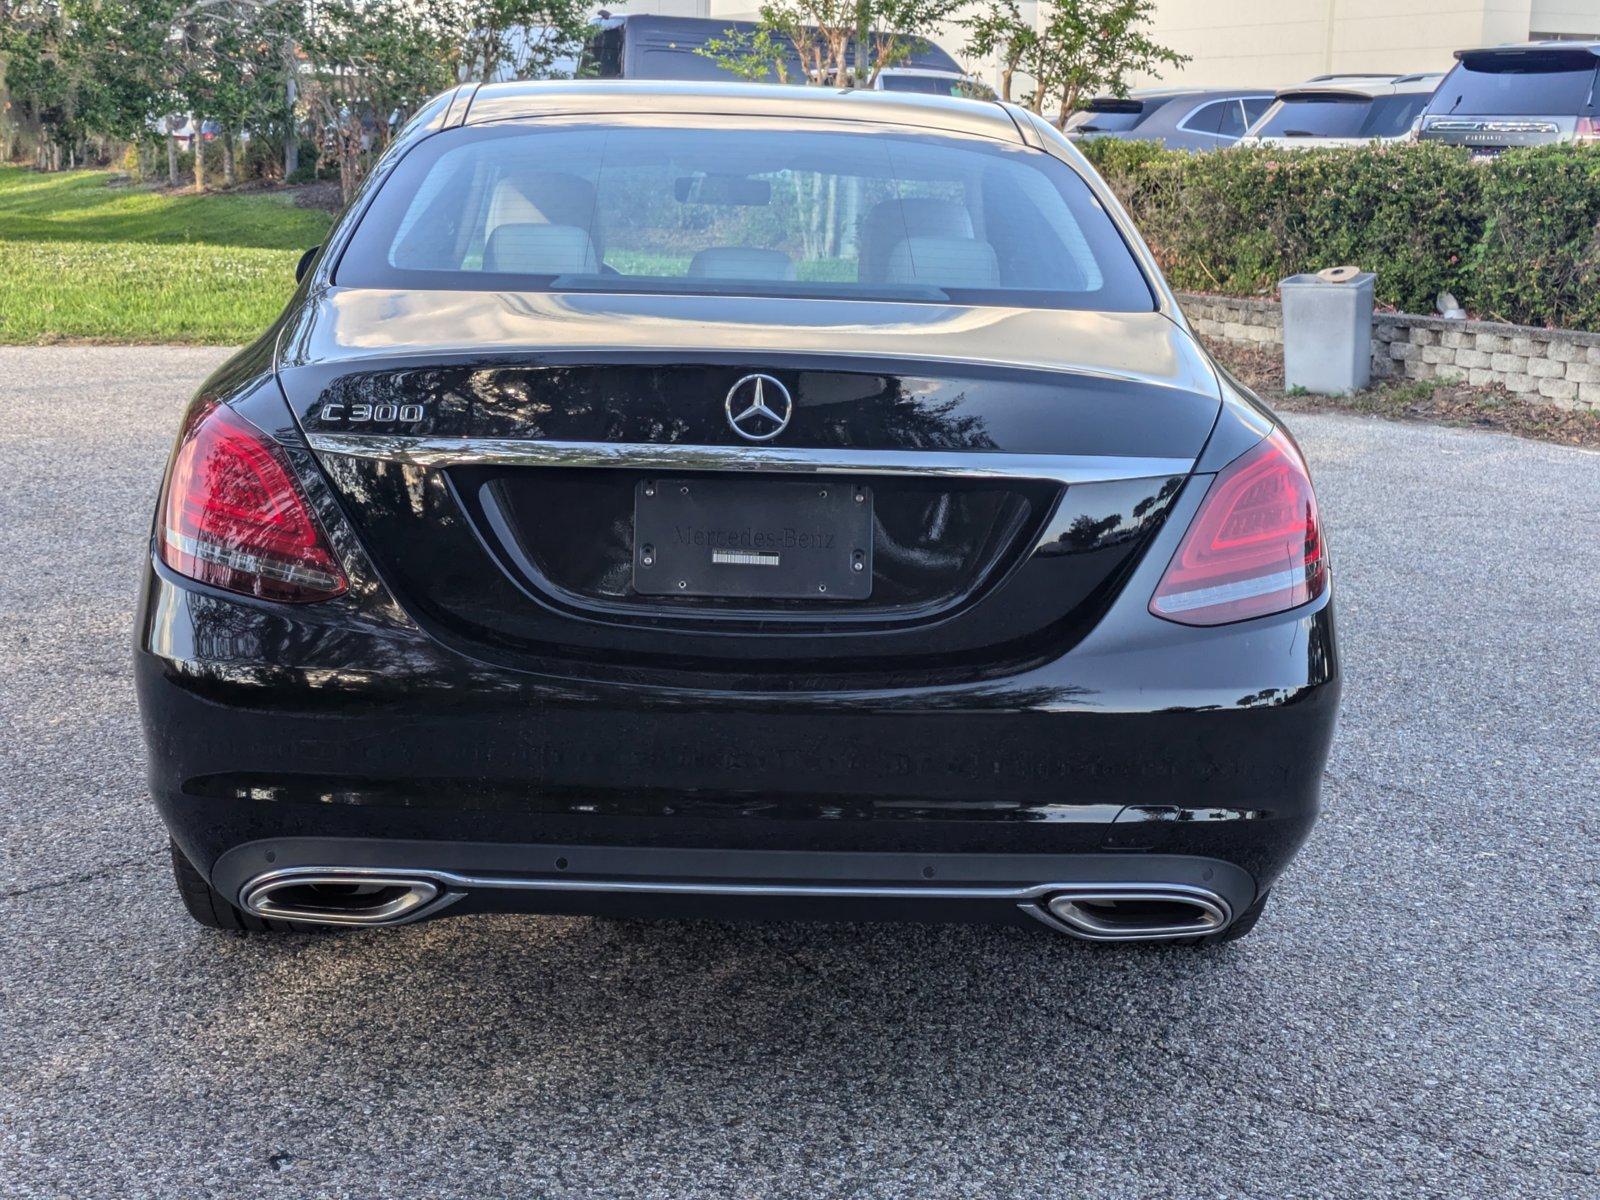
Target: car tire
[(210, 907)]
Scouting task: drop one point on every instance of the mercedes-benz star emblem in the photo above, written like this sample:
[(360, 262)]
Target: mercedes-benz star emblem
[(758, 407)]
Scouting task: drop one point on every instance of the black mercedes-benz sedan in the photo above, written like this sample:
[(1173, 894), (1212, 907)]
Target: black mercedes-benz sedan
[(736, 501)]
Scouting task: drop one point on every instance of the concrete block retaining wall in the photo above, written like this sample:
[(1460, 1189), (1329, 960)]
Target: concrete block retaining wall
[(1546, 366)]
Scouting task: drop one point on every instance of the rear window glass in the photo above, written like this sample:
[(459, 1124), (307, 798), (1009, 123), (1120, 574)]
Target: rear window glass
[(1315, 116), (757, 209), (1392, 116), (926, 85), (1109, 116), (1519, 85)]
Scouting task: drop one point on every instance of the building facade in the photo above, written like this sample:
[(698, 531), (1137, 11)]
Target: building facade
[(1279, 42), (1272, 43)]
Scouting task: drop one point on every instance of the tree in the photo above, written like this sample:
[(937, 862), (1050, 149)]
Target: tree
[(232, 64), (81, 69), (999, 32), (754, 56), (253, 59), (519, 39), (37, 82), (368, 66), (1079, 47), (821, 34), (77, 72)]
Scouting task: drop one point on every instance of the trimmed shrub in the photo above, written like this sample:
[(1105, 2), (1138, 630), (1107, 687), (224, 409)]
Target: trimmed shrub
[(1513, 238), (1538, 261)]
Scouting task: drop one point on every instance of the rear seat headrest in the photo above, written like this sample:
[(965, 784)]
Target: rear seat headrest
[(528, 249), (741, 262), (890, 222), (944, 262)]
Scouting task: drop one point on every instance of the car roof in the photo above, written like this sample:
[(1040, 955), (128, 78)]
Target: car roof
[(1591, 45), (1368, 86), (1152, 93), (631, 97), (1182, 93)]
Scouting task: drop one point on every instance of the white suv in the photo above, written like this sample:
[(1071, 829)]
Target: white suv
[(1344, 110)]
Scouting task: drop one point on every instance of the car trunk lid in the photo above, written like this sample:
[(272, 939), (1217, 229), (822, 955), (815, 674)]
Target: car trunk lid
[(1010, 465)]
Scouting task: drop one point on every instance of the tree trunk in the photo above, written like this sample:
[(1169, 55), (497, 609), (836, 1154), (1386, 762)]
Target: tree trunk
[(199, 157), (291, 139), (172, 158), (863, 20), (1069, 101), (1006, 74), (349, 158), (830, 233), (8, 132), (227, 159)]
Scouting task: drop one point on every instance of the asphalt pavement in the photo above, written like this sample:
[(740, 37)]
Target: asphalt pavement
[(1418, 1013)]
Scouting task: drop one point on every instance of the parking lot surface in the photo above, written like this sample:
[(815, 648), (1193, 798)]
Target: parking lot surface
[(1415, 1015)]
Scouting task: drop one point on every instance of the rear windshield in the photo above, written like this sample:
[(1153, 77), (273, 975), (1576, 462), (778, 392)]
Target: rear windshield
[(1391, 116), (1314, 116), (927, 85), (1557, 84), (1109, 116), (750, 208)]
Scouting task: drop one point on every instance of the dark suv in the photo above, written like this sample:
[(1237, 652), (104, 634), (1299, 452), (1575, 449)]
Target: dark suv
[(1506, 96)]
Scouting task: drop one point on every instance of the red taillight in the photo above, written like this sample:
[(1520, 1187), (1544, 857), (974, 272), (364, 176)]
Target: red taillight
[(1588, 130), (234, 517), (1255, 546)]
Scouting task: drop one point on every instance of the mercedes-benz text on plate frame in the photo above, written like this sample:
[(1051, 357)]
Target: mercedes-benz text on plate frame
[(814, 507)]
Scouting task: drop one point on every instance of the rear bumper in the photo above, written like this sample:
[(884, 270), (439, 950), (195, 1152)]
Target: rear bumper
[(455, 878), (330, 736)]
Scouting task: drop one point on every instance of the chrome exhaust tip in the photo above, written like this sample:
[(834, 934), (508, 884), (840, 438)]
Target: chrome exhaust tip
[(1143, 914), (317, 896)]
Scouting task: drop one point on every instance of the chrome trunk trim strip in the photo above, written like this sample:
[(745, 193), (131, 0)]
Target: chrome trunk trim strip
[(649, 456)]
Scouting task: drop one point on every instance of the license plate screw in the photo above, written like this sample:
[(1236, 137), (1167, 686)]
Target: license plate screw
[(861, 497), (648, 557), (683, 491), (649, 489), (823, 493), (683, 583), (822, 587)]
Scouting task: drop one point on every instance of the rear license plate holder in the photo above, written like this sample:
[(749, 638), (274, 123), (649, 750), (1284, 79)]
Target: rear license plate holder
[(752, 539)]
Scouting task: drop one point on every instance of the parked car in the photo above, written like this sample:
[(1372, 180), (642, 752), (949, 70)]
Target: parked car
[(1178, 118), (924, 81), (668, 499), (1505, 96), (1344, 110), (643, 46)]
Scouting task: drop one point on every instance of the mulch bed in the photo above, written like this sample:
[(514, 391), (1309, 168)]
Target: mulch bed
[(323, 194)]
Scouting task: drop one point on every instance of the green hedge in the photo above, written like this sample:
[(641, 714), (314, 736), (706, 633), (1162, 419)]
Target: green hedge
[(1514, 238)]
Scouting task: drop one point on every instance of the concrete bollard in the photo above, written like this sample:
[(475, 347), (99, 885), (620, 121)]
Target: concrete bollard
[(1327, 331)]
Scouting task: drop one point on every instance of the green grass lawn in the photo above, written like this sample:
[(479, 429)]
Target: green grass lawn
[(81, 260)]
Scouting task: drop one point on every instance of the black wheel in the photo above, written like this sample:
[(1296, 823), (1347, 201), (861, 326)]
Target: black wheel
[(210, 907)]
